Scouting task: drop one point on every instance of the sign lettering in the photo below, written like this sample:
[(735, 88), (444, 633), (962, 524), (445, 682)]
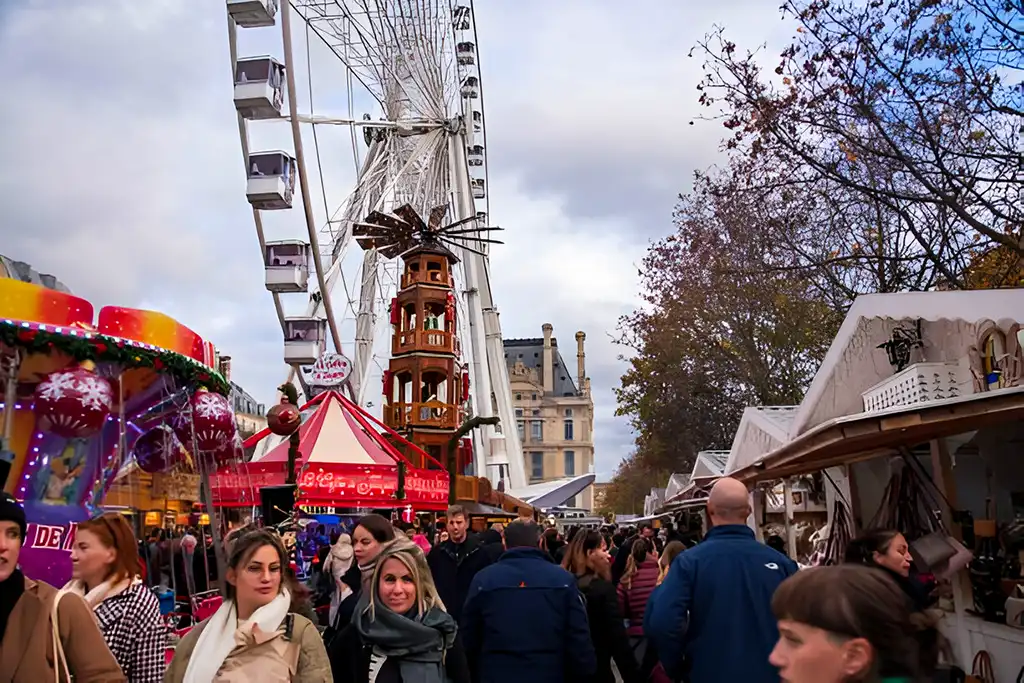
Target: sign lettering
[(48, 537), (330, 371), (420, 485)]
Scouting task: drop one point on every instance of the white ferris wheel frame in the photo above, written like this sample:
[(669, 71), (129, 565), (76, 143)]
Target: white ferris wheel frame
[(497, 451)]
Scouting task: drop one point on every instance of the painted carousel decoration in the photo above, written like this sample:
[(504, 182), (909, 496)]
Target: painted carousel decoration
[(84, 397)]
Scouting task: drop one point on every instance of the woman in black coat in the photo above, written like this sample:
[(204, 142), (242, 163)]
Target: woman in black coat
[(400, 631), (588, 559)]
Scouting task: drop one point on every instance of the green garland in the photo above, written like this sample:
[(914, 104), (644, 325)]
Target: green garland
[(103, 349)]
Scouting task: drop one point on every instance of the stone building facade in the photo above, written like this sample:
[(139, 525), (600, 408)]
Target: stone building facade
[(554, 410)]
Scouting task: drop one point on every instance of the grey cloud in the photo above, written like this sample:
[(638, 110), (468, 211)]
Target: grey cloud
[(606, 94)]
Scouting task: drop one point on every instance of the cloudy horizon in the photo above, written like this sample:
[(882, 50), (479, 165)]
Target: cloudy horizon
[(124, 177)]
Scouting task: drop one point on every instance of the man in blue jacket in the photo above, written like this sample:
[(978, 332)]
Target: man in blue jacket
[(524, 619), (712, 620)]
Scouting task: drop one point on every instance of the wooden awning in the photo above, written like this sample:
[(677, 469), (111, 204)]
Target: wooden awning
[(869, 435)]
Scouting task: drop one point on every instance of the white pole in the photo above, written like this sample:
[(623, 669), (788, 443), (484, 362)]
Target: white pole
[(472, 266)]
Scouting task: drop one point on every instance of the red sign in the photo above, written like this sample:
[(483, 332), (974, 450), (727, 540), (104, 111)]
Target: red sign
[(421, 486), (336, 485)]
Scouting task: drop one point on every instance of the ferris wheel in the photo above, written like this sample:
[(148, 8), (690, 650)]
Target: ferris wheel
[(413, 107)]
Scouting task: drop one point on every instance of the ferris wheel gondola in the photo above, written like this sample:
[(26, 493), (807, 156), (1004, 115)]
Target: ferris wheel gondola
[(423, 148)]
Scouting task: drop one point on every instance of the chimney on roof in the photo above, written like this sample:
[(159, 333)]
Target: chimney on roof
[(549, 360), (581, 361), (224, 366)]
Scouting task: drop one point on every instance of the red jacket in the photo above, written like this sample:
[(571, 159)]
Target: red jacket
[(633, 600)]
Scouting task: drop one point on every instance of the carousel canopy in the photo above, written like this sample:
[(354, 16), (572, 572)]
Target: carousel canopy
[(347, 459)]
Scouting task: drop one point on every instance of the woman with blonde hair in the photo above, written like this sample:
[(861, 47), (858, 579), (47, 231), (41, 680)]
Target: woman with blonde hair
[(668, 555), (650, 660), (254, 635), (106, 571), (588, 560), (402, 630)]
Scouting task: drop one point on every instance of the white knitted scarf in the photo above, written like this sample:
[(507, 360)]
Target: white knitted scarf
[(218, 637)]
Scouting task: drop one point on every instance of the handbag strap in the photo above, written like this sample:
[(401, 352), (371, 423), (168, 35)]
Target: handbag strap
[(59, 660), (982, 667)]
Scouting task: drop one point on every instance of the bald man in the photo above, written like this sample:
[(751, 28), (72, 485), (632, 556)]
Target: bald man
[(711, 621)]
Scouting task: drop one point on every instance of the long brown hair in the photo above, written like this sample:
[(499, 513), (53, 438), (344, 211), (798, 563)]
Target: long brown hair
[(246, 545), (853, 601), (114, 532), (638, 552), (575, 560)]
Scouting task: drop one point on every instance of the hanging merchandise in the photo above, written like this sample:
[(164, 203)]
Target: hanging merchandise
[(157, 450), (283, 419), (73, 403)]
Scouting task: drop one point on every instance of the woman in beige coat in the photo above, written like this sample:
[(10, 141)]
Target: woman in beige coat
[(253, 636), (27, 649)]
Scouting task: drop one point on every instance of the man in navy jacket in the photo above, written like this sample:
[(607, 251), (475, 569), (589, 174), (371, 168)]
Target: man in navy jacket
[(712, 620), (524, 619)]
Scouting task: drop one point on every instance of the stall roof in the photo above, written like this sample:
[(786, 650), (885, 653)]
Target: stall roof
[(677, 483), (486, 510), (762, 429), (848, 359), (868, 435), (549, 494)]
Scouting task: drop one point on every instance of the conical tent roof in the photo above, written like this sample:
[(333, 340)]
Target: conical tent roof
[(334, 435), (344, 461)]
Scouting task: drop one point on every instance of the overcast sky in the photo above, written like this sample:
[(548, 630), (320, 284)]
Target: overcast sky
[(122, 173)]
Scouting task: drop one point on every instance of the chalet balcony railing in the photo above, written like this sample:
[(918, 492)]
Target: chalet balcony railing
[(437, 341), (429, 277), (919, 383), (429, 414)]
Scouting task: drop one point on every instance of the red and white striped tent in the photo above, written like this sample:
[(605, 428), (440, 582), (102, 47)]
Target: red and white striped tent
[(347, 458)]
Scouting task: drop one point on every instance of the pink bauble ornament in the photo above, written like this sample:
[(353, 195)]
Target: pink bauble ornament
[(213, 421), (157, 450), (73, 403)]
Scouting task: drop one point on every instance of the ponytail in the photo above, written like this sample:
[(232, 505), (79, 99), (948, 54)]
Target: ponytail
[(638, 552)]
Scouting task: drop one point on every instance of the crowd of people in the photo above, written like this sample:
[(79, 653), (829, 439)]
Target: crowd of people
[(518, 602)]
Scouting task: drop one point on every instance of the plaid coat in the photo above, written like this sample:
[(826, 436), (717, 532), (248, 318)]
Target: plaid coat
[(135, 633)]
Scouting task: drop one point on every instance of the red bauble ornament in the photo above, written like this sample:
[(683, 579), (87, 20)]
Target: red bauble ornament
[(157, 450), (73, 403), (283, 419), (213, 421), (231, 453), (181, 424)]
